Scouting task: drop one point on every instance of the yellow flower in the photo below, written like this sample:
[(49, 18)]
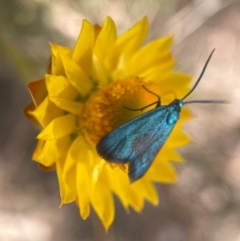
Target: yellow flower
[(81, 99)]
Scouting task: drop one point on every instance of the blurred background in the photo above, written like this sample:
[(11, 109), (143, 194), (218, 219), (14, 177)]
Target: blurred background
[(205, 202)]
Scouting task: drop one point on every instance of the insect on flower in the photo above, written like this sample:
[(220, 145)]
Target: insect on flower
[(138, 141)]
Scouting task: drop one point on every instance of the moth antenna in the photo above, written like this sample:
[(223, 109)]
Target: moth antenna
[(206, 102), (200, 76)]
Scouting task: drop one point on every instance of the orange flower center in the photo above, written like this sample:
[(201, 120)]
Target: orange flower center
[(105, 111)]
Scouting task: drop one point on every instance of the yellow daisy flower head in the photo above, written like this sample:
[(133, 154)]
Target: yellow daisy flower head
[(81, 99)]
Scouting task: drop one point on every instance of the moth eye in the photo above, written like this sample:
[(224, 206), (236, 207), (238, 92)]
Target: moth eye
[(180, 104), (172, 118)]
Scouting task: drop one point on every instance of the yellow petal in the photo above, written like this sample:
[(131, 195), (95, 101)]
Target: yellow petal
[(83, 188), (74, 155), (82, 53), (58, 128), (148, 56), (128, 194), (40, 156), (132, 39), (147, 190), (55, 49), (38, 150), (46, 112), (117, 181), (165, 65), (59, 86), (172, 154), (77, 77), (175, 80), (186, 114), (70, 106), (57, 66), (135, 200), (67, 194), (67, 184), (151, 193), (177, 83), (120, 191), (102, 202), (178, 138), (47, 152), (105, 39), (162, 171), (126, 45)]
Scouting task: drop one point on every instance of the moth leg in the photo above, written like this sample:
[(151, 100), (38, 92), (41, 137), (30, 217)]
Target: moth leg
[(158, 102)]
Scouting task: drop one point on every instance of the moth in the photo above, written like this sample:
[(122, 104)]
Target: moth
[(139, 140)]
